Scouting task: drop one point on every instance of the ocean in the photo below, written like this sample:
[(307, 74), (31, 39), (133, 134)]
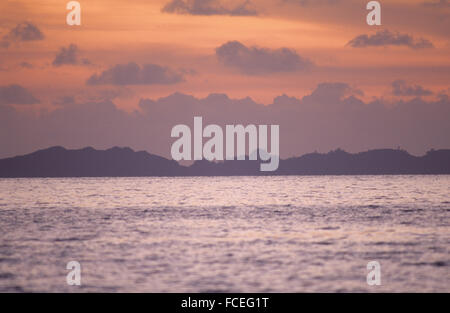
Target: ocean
[(226, 234)]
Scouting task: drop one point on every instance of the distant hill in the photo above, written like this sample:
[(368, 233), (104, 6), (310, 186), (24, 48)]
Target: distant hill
[(372, 162), (88, 162), (123, 162)]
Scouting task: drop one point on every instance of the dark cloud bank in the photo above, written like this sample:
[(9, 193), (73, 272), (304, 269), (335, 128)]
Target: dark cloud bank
[(331, 116)]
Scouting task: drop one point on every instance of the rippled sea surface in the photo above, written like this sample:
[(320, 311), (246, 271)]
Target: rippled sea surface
[(226, 234)]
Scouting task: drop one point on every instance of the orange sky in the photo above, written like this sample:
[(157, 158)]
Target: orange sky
[(119, 32), (391, 90)]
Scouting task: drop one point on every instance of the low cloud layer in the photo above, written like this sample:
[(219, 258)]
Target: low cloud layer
[(260, 61), (401, 88), (16, 94), (387, 38), (25, 31), (133, 74), (210, 7), (69, 56), (331, 116)]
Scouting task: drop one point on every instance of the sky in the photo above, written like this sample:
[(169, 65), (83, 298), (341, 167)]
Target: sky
[(134, 69)]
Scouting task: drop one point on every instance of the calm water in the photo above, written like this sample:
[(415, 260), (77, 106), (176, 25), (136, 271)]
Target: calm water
[(238, 234)]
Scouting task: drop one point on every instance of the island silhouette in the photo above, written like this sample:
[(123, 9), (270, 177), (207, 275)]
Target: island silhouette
[(124, 162)]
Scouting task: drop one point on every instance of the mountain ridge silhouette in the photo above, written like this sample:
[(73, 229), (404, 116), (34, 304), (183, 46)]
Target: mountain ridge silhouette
[(58, 161)]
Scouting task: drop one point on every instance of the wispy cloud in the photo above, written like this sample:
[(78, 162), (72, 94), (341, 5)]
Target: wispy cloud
[(388, 38), (308, 3), (26, 64), (437, 4), (209, 7)]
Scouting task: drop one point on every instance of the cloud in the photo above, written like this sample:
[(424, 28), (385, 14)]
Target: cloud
[(308, 3), (4, 43), (260, 61), (26, 65), (400, 88), (437, 4), (133, 74), (330, 92), (387, 38), (209, 7), (15, 94), (69, 56), (330, 116), (25, 31), (107, 93), (65, 100)]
